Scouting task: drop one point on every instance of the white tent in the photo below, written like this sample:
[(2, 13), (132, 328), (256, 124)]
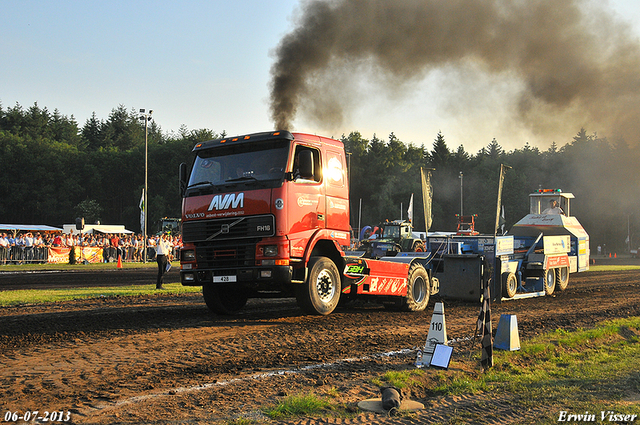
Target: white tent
[(96, 228), (29, 228)]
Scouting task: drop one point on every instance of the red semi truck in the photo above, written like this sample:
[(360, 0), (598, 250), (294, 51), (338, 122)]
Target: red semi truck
[(267, 215)]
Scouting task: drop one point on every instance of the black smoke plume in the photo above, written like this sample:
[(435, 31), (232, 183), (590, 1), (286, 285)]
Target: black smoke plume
[(576, 63)]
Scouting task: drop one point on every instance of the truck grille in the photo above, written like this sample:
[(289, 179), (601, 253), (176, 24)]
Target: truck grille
[(223, 229), (228, 254)]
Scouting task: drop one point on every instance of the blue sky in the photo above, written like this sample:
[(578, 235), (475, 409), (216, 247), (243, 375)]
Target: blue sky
[(206, 64)]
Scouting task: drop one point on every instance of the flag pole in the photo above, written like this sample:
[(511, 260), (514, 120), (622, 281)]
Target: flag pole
[(500, 184)]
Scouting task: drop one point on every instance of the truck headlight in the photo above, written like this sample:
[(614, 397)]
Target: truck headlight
[(188, 255), (270, 250)]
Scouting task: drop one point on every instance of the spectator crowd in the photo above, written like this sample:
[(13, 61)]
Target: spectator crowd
[(31, 247)]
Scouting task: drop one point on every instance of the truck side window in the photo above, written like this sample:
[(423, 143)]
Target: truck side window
[(317, 168), (335, 172)]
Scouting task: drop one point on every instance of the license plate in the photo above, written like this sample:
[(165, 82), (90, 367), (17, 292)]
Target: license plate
[(224, 279)]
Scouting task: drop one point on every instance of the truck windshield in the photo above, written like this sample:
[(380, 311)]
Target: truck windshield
[(391, 232), (240, 163)]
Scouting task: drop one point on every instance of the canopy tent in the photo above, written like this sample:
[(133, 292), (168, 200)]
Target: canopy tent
[(29, 228), (97, 228)]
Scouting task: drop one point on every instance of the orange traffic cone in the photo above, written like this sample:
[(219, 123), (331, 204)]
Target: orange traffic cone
[(615, 255), (119, 262), (609, 255)]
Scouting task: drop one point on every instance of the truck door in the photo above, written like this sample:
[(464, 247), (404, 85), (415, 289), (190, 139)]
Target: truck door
[(306, 206)]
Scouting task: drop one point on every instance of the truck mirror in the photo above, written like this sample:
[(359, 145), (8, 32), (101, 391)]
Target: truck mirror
[(305, 164), (183, 175)]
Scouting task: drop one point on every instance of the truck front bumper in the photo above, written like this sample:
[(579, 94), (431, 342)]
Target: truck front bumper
[(247, 275)]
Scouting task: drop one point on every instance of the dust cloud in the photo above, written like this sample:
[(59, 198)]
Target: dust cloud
[(577, 64)]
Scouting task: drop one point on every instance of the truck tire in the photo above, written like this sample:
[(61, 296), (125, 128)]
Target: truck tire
[(418, 289), (321, 291), (509, 284), (549, 277), (224, 299), (418, 246), (562, 278)]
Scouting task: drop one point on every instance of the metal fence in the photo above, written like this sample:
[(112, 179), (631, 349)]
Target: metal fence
[(40, 254), (24, 254)]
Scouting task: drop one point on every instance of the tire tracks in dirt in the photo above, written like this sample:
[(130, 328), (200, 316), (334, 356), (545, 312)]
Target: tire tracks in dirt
[(82, 356)]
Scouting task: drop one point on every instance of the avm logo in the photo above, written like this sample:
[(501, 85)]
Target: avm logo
[(230, 200)]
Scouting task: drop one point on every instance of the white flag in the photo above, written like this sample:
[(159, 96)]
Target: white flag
[(142, 212), (427, 197), (410, 210)]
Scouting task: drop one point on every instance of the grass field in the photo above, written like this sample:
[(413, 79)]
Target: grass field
[(39, 296), (72, 267)]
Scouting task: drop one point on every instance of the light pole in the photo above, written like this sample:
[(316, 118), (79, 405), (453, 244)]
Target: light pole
[(146, 117), (460, 177)]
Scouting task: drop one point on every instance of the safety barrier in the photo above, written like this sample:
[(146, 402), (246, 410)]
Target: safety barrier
[(23, 254), (42, 255)]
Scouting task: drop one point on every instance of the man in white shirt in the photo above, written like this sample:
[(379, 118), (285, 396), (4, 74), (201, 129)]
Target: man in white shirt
[(28, 247), (553, 208), (163, 249), (4, 248)]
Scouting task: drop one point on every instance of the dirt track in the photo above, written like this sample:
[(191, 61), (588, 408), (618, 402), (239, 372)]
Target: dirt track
[(166, 359)]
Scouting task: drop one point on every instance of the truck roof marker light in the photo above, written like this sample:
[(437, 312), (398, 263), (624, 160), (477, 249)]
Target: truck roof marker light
[(222, 141), (199, 145), (235, 139), (277, 133), (549, 190), (247, 137)]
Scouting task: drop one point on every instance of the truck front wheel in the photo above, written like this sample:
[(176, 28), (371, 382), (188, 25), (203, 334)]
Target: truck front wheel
[(224, 299), (418, 289), (321, 292)]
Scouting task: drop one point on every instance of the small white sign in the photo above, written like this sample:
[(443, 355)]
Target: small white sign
[(224, 279), (556, 244), (441, 356)]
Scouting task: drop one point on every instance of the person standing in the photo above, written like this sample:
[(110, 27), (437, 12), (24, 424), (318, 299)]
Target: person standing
[(4, 248), (163, 248)]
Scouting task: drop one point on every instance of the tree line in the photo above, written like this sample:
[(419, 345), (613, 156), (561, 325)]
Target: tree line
[(603, 176), (54, 170)]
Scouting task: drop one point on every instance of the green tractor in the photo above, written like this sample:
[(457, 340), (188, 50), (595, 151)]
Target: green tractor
[(392, 237)]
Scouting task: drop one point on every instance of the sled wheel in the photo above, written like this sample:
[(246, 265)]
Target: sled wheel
[(562, 278), (321, 292), (224, 299), (418, 289), (549, 281), (509, 284)]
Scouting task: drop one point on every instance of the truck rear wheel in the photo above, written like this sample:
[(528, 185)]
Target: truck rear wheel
[(509, 284), (418, 289), (321, 292), (549, 281), (562, 278), (224, 299)]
